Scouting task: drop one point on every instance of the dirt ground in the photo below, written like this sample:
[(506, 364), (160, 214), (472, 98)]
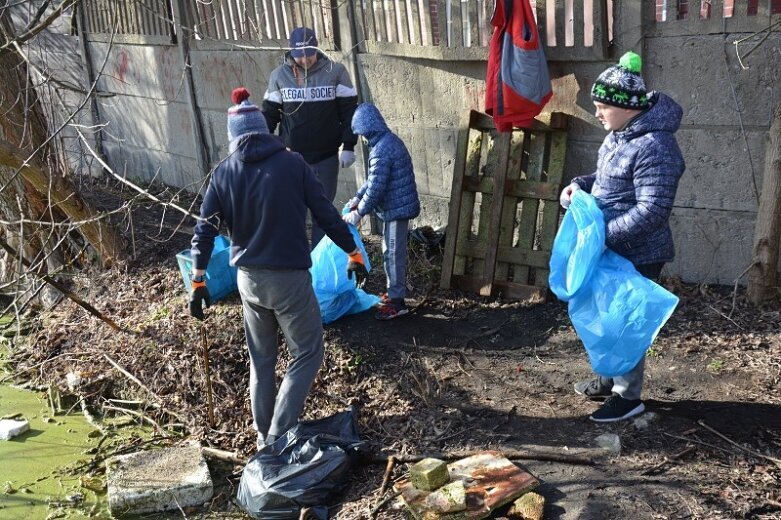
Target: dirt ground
[(460, 372)]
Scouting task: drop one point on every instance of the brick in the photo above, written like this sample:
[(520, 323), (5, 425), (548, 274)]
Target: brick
[(429, 474)]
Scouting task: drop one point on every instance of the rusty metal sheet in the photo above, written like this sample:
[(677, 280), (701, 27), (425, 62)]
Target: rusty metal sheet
[(491, 481)]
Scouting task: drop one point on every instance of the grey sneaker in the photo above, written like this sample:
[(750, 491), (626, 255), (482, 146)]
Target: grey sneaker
[(616, 408), (593, 389)]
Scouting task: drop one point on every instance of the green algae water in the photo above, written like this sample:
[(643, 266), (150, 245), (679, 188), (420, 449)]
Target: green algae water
[(37, 477)]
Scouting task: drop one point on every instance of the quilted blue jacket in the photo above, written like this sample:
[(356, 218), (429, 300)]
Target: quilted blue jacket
[(390, 189), (635, 183)]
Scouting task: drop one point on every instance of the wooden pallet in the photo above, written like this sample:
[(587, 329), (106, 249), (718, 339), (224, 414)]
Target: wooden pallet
[(500, 246)]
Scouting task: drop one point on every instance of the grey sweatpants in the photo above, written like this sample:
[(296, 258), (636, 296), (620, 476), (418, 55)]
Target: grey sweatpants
[(630, 385), (327, 171), (284, 299)]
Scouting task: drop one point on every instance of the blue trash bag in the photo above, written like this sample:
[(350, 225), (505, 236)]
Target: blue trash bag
[(616, 311), (306, 467), (337, 294), (578, 245)]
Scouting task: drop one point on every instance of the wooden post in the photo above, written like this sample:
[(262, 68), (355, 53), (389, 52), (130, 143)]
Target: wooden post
[(763, 273)]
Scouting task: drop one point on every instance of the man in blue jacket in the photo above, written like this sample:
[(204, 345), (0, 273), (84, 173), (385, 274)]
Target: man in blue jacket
[(262, 192), (637, 175)]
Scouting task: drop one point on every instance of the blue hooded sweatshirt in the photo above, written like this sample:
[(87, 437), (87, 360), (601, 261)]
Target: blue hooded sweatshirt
[(390, 188), (261, 192), (637, 175)]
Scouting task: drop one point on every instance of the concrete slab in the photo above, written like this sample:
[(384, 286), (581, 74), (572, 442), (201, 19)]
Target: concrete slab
[(160, 480), (10, 428)]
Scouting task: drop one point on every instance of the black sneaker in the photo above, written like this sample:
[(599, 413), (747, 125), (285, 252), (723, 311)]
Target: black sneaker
[(391, 309), (593, 389), (616, 408)]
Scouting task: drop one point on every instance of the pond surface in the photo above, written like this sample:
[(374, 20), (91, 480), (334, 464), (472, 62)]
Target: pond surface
[(35, 483)]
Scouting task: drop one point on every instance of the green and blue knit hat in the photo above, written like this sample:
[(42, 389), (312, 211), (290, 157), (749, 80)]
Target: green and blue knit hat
[(622, 85)]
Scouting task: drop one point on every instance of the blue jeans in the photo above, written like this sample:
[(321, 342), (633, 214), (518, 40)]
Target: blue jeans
[(327, 171), (273, 299), (394, 254), (630, 385)]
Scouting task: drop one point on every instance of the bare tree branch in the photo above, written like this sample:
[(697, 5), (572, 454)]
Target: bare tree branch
[(28, 35)]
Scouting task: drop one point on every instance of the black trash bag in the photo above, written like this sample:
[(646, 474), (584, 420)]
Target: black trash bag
[(433, 241), (302, 469)]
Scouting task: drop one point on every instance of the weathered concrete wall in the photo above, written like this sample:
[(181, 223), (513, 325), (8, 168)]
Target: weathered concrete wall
[(150, 131), (727, 114), (423, 101)]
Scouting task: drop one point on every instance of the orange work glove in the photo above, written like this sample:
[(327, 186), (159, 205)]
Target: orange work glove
[(356, 266)]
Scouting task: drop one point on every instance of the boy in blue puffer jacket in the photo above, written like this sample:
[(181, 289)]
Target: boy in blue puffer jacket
[(390, 192), (638, 170)]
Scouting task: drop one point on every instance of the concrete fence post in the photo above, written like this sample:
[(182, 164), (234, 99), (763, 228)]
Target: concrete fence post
[(182, 40)]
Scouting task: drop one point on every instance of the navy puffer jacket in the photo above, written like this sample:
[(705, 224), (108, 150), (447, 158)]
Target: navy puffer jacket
[(635, 183), (390, 188)]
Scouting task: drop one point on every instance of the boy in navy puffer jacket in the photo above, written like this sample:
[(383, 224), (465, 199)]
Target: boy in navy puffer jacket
[(390, 192), (637, 175)]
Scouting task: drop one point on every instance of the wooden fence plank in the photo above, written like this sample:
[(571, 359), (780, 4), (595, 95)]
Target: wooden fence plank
[(502, 154), (578, 24), (510, 210), (489, 164), (150, 20), (460, 168), (413, 20), (473, 15), (370, 32), (442, 26), (550, 212), (505, 289), (506, 254), (560, 21), (424, 15), (601, 42), (395, 14), (542, 22), (161, 18), (131, 18), (106, 22), (379, 21), (530, 204), (457, 20)]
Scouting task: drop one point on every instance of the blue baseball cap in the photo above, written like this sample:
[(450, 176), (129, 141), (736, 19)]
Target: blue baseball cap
[(303, 42)]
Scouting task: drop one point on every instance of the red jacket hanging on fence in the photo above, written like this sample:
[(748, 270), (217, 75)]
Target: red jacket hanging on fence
[(517, 81)]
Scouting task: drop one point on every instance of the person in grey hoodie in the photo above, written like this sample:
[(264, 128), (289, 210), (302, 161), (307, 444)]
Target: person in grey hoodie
[(638, 169), (311, 99), (390, 191)]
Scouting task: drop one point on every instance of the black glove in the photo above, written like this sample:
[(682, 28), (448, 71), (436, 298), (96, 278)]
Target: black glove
[(199, 295), (356, 266)]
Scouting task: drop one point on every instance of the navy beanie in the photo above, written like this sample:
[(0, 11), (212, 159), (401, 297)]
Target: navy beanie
[(244, 117)]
